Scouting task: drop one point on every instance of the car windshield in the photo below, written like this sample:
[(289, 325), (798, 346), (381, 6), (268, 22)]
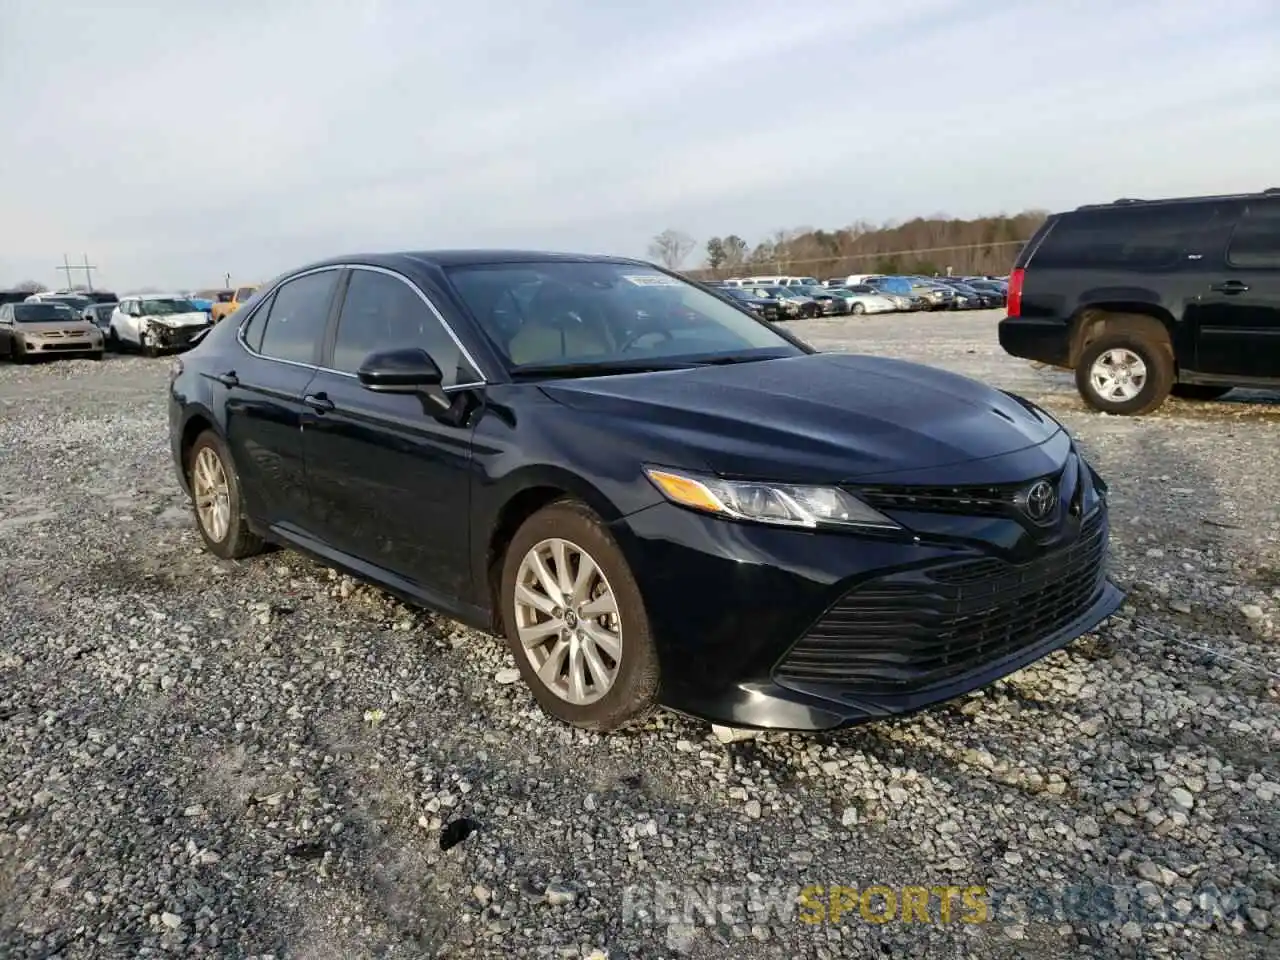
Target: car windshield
[(163, 308), (41, 312), (738, 293), (76, 303), (602, 314), (244, 293)]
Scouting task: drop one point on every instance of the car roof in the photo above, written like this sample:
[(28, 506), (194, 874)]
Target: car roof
[(458, 258), (1131, 201)]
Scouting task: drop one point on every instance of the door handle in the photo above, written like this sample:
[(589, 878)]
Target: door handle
[(228, 379), (1230, 286), (319, 402)]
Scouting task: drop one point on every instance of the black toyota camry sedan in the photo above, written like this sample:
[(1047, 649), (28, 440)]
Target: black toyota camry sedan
[(656, 497)]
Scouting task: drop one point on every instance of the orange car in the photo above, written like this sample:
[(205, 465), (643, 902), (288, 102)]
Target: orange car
[(222, 309)]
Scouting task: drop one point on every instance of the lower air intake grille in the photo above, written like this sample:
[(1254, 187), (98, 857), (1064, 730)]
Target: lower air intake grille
[(912, 630)]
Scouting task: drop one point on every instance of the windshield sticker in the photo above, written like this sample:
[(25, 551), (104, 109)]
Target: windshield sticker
[(652, 280)]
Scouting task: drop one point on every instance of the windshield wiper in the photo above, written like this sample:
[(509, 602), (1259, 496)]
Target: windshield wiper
[(531, 370), (734, 358)]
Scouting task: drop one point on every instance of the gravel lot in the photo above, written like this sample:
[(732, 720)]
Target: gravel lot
[(219, 759)]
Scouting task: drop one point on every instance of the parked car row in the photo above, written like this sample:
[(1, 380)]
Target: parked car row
[(785, 297), (88, 323)]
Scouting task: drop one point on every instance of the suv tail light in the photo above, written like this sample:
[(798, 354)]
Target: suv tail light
[(1014, 306)]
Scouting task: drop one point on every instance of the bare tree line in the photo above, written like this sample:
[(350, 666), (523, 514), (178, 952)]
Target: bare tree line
[(924, 245)]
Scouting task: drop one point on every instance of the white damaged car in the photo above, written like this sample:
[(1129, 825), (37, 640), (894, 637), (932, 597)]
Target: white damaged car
[(155, 323)]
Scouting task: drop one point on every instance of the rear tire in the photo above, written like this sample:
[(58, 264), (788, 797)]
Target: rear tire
[(627, 687), (1125, 350), (235, 542), (1199, 391), (858, 309)]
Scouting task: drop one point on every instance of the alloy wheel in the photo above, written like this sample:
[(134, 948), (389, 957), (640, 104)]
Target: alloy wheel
[(1118, 375), (212, 494), (568, 622)]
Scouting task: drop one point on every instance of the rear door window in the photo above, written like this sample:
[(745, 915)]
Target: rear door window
[(1255, 243), (296, 320)]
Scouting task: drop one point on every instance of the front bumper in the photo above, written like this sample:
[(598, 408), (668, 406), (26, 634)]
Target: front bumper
[(743, 617), (48, 347), (173, 338)]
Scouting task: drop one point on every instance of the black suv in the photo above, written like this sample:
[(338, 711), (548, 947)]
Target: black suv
[(1146, 298)]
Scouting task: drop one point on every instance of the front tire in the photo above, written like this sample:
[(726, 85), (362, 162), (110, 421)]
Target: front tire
[(217, 500), (858, 309), (575, 621), (1127, 373)]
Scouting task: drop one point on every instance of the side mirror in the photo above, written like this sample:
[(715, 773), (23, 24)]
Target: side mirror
[(403, 371)]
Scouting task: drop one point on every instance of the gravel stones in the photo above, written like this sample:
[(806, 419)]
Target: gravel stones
[(182, 775)]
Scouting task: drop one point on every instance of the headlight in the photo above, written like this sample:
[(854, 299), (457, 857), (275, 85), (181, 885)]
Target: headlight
[(780, 504)]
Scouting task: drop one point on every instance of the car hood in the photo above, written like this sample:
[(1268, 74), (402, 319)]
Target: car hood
[(820, 418), (53, 326)]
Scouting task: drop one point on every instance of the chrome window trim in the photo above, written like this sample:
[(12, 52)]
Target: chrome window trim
[(249, 315), (462, 348)]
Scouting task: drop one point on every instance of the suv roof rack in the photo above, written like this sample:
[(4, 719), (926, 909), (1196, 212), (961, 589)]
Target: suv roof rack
[(1126, 201)]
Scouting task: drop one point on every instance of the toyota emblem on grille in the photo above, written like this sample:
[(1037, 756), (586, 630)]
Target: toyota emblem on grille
[(1040, 501)]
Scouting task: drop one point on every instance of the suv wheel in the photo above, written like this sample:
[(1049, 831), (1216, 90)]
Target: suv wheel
[(575, 621), (1198, 391), (215, 493), (1125, 373)]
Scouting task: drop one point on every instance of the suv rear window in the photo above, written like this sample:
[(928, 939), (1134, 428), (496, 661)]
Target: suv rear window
[(1255, 243), (1142, 238)]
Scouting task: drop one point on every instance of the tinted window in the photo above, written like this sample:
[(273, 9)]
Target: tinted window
[(1255, 244), (381, 312), (296, 319), (1144, 238)]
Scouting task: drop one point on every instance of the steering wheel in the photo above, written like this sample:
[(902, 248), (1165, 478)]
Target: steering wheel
[(636, 338)]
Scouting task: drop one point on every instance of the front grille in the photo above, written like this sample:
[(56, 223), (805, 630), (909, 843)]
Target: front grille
[(981, 500), (915, 629)]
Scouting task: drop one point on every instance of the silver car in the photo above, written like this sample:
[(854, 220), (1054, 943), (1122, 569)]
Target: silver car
[(29, 330)]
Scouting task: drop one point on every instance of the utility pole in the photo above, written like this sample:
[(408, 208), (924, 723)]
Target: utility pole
[(88, 271), (67, 268), (226, 280)]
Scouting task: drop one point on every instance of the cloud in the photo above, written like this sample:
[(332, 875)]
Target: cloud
[(176, 141)]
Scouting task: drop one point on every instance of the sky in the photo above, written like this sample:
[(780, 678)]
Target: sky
[(175, 141)]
